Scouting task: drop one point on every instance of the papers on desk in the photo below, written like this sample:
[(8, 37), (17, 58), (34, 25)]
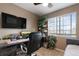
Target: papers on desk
[(9, 42), (18, 41)]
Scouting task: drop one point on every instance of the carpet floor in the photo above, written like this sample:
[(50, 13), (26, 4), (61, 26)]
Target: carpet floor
[(48, 52)]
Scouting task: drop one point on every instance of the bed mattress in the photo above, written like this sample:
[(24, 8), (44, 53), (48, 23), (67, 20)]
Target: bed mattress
[(72, 50)]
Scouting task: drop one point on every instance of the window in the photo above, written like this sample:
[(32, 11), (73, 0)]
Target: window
[(62, 25), (65, 24), (52, 25)]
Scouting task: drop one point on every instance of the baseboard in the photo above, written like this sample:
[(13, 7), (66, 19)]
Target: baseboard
[(59, 49)]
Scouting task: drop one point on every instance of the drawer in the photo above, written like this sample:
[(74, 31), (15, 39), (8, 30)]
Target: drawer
[(8, 51)]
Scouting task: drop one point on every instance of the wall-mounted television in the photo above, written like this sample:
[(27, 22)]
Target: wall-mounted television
[(11, 21)]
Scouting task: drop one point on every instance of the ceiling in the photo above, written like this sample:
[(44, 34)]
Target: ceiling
[(42, 10)]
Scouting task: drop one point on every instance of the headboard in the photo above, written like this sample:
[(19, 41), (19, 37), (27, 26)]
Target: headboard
[(72, 41)]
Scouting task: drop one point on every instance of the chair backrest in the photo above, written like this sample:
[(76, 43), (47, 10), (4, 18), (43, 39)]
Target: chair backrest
[(35, 41)]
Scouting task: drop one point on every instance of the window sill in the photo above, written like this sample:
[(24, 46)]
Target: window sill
[(66, 36)]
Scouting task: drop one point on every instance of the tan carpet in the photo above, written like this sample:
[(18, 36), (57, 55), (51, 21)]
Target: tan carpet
[(48, 52)]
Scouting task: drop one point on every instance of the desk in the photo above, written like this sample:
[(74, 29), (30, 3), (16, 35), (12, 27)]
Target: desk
[(9, 42)]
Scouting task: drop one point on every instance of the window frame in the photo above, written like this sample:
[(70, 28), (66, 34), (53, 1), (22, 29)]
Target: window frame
[(58, 21)]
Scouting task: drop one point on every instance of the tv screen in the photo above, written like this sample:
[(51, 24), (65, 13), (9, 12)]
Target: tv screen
[(11, 21)]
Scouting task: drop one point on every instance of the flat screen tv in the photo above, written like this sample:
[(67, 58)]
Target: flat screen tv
[(11, 21)]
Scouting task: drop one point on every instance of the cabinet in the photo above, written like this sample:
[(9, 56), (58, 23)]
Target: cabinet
[(8, 51)]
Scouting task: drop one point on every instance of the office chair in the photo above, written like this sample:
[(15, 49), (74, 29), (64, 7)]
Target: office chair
[(34, 43)]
